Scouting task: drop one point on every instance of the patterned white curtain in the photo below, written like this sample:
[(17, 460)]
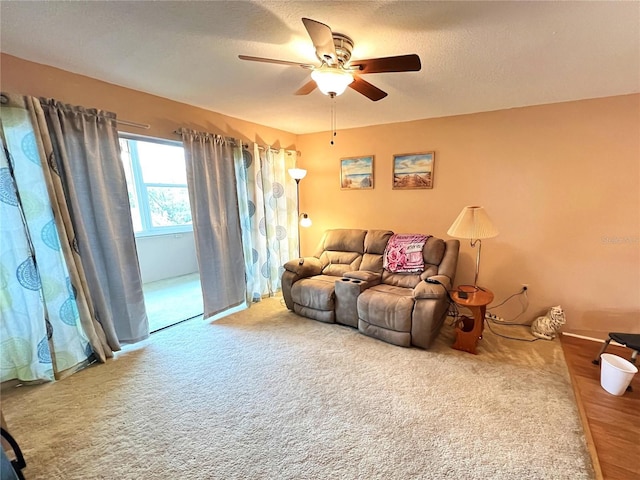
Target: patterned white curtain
[(70, 286), (40, 329), (267, 199)]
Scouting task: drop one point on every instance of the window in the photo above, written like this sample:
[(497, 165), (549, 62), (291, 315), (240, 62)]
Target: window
[(157, 184)]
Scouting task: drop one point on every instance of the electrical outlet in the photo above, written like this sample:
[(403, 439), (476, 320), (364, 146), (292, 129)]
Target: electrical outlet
[(525, 286)]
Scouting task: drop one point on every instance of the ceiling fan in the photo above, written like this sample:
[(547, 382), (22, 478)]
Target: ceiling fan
[(337, 71)]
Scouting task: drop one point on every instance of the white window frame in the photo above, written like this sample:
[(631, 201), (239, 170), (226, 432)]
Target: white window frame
[(148, 230)]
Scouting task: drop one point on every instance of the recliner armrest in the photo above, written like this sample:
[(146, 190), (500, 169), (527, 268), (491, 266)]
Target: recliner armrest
[(443, 279), (364, 275), (304, 266), (426, 290)]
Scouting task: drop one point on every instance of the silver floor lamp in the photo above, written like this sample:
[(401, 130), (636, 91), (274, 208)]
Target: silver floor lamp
[(303, 219)]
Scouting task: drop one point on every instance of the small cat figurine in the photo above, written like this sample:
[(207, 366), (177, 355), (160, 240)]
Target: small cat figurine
[(546, 327)]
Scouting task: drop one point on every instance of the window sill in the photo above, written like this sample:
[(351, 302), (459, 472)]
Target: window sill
[(163, 233)]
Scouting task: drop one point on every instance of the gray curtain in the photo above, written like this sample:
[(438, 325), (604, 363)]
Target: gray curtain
[(86, 159), (216, 222)]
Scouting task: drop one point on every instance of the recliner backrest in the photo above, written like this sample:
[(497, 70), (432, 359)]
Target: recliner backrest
[(449, 262), (433, 252), (374, 244), (341, 251), (345, 250)]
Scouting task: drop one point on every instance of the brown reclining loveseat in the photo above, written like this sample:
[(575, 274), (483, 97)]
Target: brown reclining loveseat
[(345, 282)]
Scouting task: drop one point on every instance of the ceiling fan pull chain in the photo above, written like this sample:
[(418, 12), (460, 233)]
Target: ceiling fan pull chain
[(333, 113), (333, 118)]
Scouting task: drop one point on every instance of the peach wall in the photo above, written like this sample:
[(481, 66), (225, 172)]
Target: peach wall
[(561, 182), (164, 116)]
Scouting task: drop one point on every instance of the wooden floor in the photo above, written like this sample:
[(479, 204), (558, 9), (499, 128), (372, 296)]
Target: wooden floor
[(611, 424)]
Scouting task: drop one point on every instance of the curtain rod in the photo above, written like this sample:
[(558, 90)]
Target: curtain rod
[(231, 140), (276, 150), (146, 126), (245, 145)]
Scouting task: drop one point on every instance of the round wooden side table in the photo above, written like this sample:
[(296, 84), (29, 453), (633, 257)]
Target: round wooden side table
[(469, 330)]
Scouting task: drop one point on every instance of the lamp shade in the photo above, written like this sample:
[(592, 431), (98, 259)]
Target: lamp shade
[(297, 173), (473, 222), (331, 80), (305, 221)]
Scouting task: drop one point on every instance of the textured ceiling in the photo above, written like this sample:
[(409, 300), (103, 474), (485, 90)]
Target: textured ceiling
[(476, 56)]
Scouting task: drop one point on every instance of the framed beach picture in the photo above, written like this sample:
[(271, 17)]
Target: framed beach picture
[(413, 170), (356, 173)]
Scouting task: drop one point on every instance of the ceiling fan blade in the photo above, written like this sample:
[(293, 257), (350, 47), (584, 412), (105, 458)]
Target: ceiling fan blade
[(322, 38), (271, 60), (306, 89), (368, 90), (400, 63)]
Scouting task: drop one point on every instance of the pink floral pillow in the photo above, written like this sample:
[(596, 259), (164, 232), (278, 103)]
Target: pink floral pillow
[(403, 253)]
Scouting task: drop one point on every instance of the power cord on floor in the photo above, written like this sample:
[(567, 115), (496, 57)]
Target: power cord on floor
[(511, 322), (525, 307), (454, 312), (488, 322), (521, 292)]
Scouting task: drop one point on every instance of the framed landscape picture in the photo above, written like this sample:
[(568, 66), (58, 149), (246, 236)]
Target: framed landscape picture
[(413, 170), (356, 173)]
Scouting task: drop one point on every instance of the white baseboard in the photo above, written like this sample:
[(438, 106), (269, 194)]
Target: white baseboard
[(583, 337)]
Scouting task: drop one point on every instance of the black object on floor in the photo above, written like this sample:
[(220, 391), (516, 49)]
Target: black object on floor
[(629, 340), (16, 465)]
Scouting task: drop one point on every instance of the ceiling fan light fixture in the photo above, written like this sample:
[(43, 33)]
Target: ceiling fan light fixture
[(331, 80)]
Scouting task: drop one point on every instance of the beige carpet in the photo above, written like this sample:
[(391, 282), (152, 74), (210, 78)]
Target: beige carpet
[(265, 394)]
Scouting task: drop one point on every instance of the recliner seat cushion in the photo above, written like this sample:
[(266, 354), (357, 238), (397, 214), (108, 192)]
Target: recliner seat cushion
[(403, 280), (316, 292), (387, 306)]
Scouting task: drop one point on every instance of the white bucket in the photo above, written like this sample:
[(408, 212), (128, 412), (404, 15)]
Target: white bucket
[(616, 373)]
